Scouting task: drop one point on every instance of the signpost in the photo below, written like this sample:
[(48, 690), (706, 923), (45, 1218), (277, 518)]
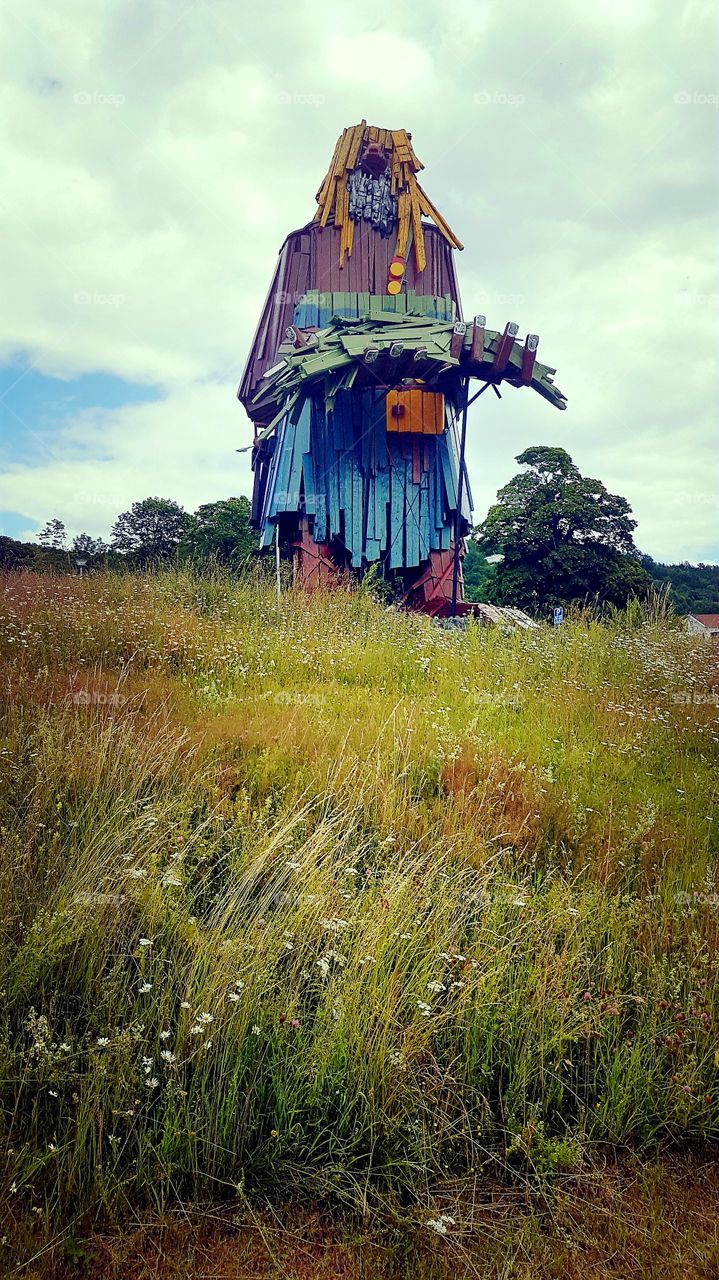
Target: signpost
[(558, 616)]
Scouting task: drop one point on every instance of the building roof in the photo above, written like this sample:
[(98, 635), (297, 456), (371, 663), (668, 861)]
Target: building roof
[(707, 619)]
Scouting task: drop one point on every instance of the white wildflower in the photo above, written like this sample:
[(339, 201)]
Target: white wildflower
[(103, 1040), (146, 986), (424, 1008), (436, 987), (335, 924), (441, 1223), (145, 942), (167, 1056), (255, 1030)]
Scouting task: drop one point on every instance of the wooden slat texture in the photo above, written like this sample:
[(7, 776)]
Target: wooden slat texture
[(332, 197)]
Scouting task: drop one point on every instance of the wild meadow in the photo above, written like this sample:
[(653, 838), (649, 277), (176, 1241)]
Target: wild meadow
[(318, 902)]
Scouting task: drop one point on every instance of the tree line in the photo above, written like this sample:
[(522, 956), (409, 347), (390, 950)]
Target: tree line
[(553, 537), (154, 531)]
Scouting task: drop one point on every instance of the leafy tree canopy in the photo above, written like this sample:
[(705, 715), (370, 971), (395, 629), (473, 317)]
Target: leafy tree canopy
[(151, 531), (564, 537), (85, 545), (53, 535), (221, 531)]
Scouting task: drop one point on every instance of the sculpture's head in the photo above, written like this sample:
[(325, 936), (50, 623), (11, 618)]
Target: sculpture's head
[(372, 178)]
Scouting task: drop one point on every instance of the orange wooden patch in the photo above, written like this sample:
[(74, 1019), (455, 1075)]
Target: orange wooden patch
[(412, 410)]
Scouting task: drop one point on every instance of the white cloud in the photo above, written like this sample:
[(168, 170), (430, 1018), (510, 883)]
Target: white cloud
[(379, 59), (587, 204), (181, 447)]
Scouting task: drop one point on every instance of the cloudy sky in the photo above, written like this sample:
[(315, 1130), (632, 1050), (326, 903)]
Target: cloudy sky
[(155, 153)]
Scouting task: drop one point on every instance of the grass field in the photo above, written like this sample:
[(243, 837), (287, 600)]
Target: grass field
[(324, 906)]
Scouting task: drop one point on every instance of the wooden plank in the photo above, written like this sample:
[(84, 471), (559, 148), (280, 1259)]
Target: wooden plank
[(428, 208), (397, 523), (476, 350), (419, 251), (357, 513), (529, 356), (424, 529), (504, 348), (412, 492)]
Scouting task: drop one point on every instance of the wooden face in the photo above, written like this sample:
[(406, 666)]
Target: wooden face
[(374, 160)]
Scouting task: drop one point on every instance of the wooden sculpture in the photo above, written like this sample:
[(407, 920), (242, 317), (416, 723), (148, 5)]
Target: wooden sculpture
[(358, 380)]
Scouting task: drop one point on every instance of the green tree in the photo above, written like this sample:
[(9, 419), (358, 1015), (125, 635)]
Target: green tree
[(221, 531), (85, 545), (564, 537), (478, 573), (694, 587), (151, 531), (53, 535)]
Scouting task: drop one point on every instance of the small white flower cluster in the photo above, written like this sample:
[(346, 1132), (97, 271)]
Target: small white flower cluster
[(326, 961), (201, 1024), (335, 924), (441, 1223)]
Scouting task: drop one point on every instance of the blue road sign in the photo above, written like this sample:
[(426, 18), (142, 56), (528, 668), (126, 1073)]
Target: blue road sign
[(558, 616)]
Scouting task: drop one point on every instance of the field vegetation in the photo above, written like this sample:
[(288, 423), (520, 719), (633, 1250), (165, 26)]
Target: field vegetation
[(319, 903)]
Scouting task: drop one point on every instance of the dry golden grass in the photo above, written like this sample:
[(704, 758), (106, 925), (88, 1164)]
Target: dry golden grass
[(325, 903)]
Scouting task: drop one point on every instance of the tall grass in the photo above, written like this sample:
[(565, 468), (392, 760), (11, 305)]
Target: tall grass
[(322, 897)]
